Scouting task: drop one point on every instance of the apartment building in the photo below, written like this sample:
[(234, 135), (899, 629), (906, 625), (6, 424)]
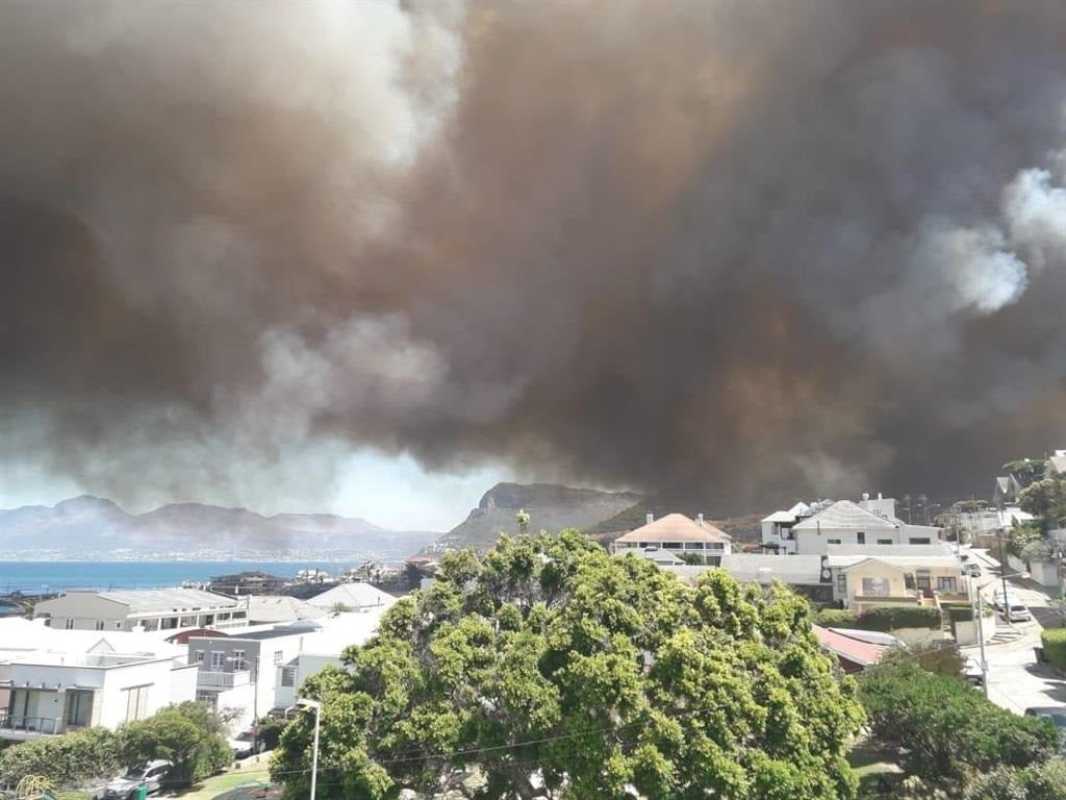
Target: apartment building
[(53, 681), (147, 610)]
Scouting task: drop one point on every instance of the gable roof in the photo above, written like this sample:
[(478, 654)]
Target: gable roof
[(175, 599), (353, 595), (675, 528), (844, 514), (280, 608), (780, 516)]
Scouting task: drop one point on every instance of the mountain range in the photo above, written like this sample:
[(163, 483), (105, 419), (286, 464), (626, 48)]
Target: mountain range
[(94, 528)]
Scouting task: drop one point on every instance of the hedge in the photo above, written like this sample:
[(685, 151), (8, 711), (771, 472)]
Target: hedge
[(881, 618), (1053, 641)]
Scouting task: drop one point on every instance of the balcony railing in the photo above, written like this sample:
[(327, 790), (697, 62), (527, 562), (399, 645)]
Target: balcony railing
[(222, 680), (17, 722)]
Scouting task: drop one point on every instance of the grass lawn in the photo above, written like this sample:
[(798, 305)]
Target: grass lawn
[(252, 770)]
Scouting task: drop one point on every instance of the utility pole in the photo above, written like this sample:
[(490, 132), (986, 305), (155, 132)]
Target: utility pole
[(1003, 577), (981, 641)]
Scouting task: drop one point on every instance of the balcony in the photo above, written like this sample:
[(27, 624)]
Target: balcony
[(26, 727), (220, 681)]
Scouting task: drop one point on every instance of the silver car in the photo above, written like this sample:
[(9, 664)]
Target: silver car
[(152, 775)]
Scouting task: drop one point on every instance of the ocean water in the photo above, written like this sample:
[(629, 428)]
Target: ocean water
[(46, 576)]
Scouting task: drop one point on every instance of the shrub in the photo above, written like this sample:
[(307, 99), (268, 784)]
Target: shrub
[(946, 730), (1053, 641), (836, 618), (65, 760), (890, 618), (188, 734)]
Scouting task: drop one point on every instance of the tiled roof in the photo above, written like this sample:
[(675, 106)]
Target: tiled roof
[(857, 651), (844, 514), (675, 528)]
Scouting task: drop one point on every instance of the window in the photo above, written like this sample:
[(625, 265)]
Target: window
[(860, 537), (239, 614), (671, 545), (198, 656), (832, 541), (288, 676), (188, 622), (223, 615), (218, 659), (239, 664), (920, 540), (99, 625), (947, 584), (277, 657), (118, 626), (210, 698), (842, 583), (136, 702), (875, 587), (884, 541), (79, 708), (70, 623)]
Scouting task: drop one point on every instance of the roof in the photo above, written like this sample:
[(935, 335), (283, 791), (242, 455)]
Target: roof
[(33, 642), (801, 509), (900, 562), (353, 595), (281, 608), (844, 514), (780, 516), (140, 600), (341, 631), (798, 569), (846, 647), (878, 550), (675, 528)]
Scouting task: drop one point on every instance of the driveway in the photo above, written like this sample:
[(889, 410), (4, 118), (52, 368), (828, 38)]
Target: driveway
[(1016, 681)]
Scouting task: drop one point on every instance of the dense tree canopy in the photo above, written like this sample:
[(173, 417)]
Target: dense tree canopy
[(947, 732), (556, 669)]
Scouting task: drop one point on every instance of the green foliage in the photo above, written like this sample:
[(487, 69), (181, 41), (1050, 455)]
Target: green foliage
[(881, 618), (549, 656), (190, 735), (1022, 537), (948, 732), (837, 618), (268, 731), (65, 760), (1026, 470), (940, 658), (1053, 640), (1046, 499), (1046, 781)]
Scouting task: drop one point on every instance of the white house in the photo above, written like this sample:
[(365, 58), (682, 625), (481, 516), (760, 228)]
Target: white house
[(680, 535), (52, 681), (149, 610), (871, 523), (353, 597)]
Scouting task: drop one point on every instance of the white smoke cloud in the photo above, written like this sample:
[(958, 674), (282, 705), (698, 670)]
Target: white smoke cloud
[(1035, 215)]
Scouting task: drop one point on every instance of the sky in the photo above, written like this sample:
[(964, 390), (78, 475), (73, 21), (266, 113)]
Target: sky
[(391, 491)]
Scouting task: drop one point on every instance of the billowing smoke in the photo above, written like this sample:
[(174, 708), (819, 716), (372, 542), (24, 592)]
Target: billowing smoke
[(745, 249)]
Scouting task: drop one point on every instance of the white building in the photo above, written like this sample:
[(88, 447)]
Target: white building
[(871, 523), (149, 610), (52, 681), (353, 597), (697, 539)]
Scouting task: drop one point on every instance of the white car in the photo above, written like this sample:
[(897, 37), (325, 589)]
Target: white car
[(151, 775)]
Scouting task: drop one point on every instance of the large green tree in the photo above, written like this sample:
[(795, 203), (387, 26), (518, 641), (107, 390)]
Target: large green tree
[(552, 668), (190, 735), (946, 731)]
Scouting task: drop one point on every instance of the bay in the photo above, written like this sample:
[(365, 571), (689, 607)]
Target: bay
[(32, 577)]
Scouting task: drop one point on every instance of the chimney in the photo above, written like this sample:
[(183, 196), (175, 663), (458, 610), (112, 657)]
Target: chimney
[(880, 496), (649, 518), (865, 495), (699, 519)]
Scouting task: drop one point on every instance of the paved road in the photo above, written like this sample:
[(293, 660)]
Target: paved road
[(1016, 680)]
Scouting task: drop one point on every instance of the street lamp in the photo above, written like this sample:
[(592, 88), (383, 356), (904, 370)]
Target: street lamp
[(317, 706)]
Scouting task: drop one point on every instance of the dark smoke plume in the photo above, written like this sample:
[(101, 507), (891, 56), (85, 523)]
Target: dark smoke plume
[(746, 249)]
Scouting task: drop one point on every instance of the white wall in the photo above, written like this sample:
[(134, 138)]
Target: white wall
[(155, 674)]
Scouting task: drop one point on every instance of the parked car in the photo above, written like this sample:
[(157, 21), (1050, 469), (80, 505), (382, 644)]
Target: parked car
[(1056, 715), (971, 670), (1017, 612), (244, 744), (152, 775)]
